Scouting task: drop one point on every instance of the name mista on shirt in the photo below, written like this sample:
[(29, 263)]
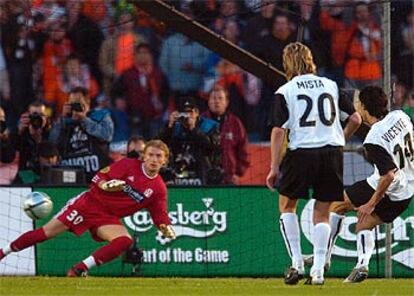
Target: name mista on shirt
[(394, 131), (309, 84)]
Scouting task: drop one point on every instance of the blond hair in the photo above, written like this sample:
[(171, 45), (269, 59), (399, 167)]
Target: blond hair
[(158, 144), (297, 60)]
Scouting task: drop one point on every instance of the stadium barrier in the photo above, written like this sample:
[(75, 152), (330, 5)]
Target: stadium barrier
[(227, 231)]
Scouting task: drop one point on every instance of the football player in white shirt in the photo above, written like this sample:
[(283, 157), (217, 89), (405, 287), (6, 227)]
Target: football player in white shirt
[(385, 194), (310, 107)]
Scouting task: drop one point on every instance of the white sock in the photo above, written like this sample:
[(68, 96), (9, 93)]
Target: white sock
[(335, 222), (365, 247), (7, 250), (289, 227), (321, 234), (89, 262)]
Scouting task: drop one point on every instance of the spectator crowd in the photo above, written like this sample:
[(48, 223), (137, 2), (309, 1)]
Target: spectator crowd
[(83, 83)]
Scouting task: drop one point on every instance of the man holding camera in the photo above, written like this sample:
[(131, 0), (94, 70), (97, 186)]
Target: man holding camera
[(195, 144), (83, 135), (7, 151), (33, 128)]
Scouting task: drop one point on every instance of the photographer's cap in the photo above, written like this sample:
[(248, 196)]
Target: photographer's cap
[(188, 104)]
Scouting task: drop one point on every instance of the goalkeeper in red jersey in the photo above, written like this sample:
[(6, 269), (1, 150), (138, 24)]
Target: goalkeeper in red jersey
[(118, 190)]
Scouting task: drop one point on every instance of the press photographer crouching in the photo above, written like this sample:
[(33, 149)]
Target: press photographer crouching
[(33, 128), (47, 156), (195, 145), (83, 135)]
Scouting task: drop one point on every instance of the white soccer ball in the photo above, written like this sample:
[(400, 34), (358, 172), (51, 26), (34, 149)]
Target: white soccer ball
[(37, 205)]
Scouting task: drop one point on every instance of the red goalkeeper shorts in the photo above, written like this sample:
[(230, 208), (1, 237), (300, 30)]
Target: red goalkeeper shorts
[(83, 213)]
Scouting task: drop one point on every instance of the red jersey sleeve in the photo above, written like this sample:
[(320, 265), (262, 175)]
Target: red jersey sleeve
[(117, 170), (158, 208)]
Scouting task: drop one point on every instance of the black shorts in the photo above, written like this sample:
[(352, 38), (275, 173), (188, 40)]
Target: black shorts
[(387, 210), (320, 169)]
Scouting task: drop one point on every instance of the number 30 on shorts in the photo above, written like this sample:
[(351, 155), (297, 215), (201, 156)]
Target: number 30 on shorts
[(74, 217)]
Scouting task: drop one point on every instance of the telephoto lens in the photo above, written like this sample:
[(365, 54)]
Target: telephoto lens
[(36, 120), (77, 107), (182, 116)]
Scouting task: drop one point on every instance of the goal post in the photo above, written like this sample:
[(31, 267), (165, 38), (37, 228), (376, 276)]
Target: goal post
[(386, 45)]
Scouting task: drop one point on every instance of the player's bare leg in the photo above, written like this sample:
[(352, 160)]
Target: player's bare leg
[(365, 247), (54, 227), (289, 227), (119, 241), (320, 240), (30, 238)]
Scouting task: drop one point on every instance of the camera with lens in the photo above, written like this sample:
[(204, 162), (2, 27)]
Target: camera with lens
[(183, 163), (134, 255), (77, 107), (183, 116), (215, 176), (36, 120)]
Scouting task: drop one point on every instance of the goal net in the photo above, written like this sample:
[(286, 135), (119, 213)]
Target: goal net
[(222, 230)]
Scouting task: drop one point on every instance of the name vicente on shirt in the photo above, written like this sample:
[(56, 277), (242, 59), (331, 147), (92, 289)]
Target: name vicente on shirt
[(394, 131)]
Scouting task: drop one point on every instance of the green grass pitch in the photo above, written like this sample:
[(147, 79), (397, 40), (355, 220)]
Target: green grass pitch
[(101, 286)]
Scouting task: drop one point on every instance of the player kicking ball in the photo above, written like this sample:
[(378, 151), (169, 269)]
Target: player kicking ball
[(117, 191), (385, 194), (310, 107)]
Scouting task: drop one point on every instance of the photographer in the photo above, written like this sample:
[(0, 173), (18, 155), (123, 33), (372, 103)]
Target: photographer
[(195, 144), (33, 128), (83, 135), (47, 155), (234, 156), (7, 151)]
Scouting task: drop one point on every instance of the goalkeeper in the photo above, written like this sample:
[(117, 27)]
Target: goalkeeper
[(119, 190)]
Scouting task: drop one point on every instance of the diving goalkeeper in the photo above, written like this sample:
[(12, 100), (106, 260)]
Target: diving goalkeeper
[(117, 191)]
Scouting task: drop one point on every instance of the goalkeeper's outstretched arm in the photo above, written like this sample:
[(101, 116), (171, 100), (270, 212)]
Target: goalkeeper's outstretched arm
[(159, 214)]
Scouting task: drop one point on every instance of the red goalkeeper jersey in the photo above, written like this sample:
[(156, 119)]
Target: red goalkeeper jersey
[(140, 192)]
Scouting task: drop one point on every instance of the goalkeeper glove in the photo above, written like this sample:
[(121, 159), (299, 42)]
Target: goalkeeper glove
[(167, 231), (112, 185)]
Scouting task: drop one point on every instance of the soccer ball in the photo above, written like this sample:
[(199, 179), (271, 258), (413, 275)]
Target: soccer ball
[(37, 205)]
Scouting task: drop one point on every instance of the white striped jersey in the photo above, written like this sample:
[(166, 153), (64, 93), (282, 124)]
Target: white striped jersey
[(389, 145), (312, 108)]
